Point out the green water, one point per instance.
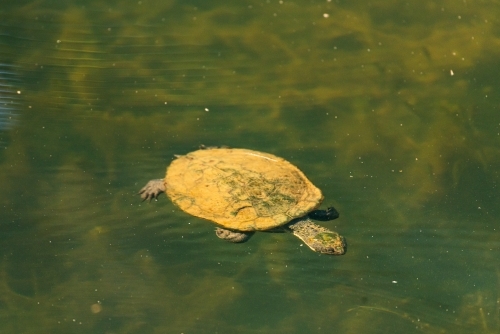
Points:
(390, 107)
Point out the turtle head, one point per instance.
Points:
(318, 238)
(330, 243)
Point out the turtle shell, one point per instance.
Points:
(240, 189)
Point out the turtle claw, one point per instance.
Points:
(152, 189)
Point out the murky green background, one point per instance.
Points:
(391, 107)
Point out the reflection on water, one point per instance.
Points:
(9, 96)
(390, 109)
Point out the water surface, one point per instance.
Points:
(390, 108)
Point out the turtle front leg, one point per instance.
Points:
(152, 189)
(329, 214)
(232, 236)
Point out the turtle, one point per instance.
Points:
(243, 191)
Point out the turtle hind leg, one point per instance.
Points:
(232, 236)
(152, 189)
